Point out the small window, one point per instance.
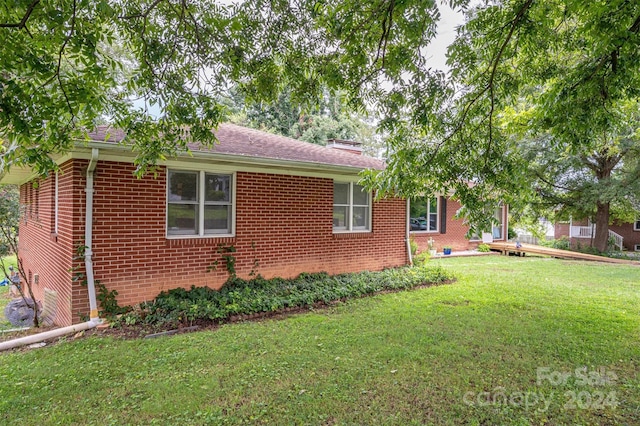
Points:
(424, 214)
(636, 225)
(199, 203)
(351, 207)
(637, 247)
(217, 204)
(183, 203)
(496, 228)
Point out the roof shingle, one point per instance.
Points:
(251, 143)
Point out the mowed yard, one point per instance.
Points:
(513, 341)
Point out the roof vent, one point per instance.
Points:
(351, 147)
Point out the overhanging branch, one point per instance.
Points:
(23, 22)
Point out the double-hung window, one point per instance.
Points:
(636, 225)
(199, 203)
(351, 207)
(424, 214)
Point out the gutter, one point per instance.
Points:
(125, 154)
(88, 236)
(407, 237)
(233, 158)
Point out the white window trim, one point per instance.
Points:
(201, 204)
(350, 229)
(437, 230)
(636, 247)
(636, 223)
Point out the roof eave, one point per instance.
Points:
(237, 158)
(22, 174)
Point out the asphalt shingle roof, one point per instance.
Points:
(251, 143)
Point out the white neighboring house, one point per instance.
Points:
(525, 236)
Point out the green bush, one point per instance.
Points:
(421, 258)
(414, 246)
(561, 243)
(259, 295)
(484, 248)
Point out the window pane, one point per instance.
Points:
(360, 196)
(433, 222)
(216, 219)
(340, 214)
(433, 205)
(418, 208)
(182, 219)
(361, 218)
(497, 224)
(183, 186)
(340, 193)
(217, 187)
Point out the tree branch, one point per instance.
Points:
(144, 14)
(489, 87)
(610, 56)
(23, 22)
(387, 23)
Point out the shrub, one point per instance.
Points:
(484, 248)
(414, 246)
(561, 243)
(421, 258)
(259, 295)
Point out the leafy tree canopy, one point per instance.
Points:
(328, 119)
(68, 63)
(570, 62)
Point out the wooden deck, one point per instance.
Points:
(509, 247)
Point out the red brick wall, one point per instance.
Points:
(456, 232)
(631, 237)
(42, 252)
(561, 229)
(282, 222)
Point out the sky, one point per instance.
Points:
(437, 49)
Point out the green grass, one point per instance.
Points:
(4, 294)
(412, 357)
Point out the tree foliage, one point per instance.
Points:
(570, 62)
(328, 119)
(598, 179)
(68, 63)
(9, 223)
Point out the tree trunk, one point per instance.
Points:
(602, 227)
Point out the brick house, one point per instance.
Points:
(581, 232)
(283, 206)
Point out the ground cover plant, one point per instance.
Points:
(507, 343)
(259, 295)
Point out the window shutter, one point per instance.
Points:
(443, 215)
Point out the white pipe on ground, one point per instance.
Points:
(51, 334)
(88, 236)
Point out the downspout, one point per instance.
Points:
(88, 237)
(94, 318)
(408, 241)
(46, 335)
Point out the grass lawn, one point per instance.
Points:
(4, 295)
(514, 341)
